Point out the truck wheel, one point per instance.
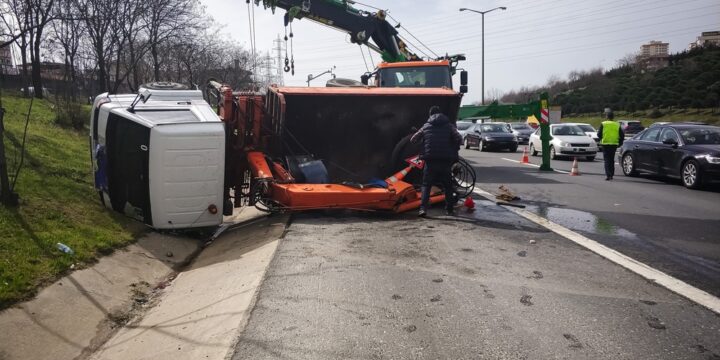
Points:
(164, 85)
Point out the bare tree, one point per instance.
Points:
(40, 16)
(165, 19)
(68, 32)
(99, 17)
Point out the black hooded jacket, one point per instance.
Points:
(440, 138)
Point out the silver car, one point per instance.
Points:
(567, 140)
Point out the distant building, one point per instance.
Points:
(6, 62)
(654, 55)
(706, 38)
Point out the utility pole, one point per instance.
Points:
(278, 47)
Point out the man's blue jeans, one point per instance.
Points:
(438, 172)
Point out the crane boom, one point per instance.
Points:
(362, 26)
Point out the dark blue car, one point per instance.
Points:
(685, 151)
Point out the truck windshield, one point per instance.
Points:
(416, 76)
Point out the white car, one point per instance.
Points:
(567, 140)
(589, 131)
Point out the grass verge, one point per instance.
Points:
(58, 204)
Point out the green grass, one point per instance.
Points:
(57, 204)
(678, 115)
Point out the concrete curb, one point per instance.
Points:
(73, 316)
(202, 312)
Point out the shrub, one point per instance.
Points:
(71, 114)
(655, 113)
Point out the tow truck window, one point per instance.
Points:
(421, 76)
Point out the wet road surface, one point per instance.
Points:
(656, 221)
(485, 285)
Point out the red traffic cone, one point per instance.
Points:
(575, 171)
(525, 159)
(469, 203)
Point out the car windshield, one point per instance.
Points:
(567, 130)
(586, 127)
(494, 128)
(463, 125)
(521, 127)
(701, 136)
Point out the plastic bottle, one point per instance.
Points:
(64, 248)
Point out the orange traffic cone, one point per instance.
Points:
(469, 203)
(525, 159)
(575, 171)
(399, 175)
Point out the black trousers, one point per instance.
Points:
(438, 172)
(609, 158)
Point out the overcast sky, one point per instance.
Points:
(524, 45)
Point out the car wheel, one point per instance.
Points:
(553, 155)
(481, 145)
(467, 143)
(691, 175)
(628, 165)
(513, 149)
(533, 152)
(590, 158)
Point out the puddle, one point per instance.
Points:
(580, 221)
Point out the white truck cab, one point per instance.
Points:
(160, 157)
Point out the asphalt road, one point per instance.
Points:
(483, 285)
(656, 221)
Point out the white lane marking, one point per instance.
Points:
(535, 165)
(675, 285)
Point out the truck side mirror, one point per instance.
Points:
(464, 78)
(365, 78)
(463, 89)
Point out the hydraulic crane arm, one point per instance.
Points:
(362, 26)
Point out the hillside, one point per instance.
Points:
(690, 81)
(57, 204)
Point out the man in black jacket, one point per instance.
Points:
(441, 143)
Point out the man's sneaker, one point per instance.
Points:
(422, 213)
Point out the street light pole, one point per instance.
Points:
(482, 21)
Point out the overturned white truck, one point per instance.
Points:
(159, 156)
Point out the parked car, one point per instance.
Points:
(631, 127)
(462, 127)
(688, 152)
(491, 136)
(567, 140)
(522, 131)
(589, 131)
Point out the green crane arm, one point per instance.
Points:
(362, 26)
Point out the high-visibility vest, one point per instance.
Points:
(610, 133)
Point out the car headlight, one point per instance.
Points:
(709, 158)
(515, 138)
(488, 138)
(564, 144)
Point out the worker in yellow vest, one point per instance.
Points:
(611, 136)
